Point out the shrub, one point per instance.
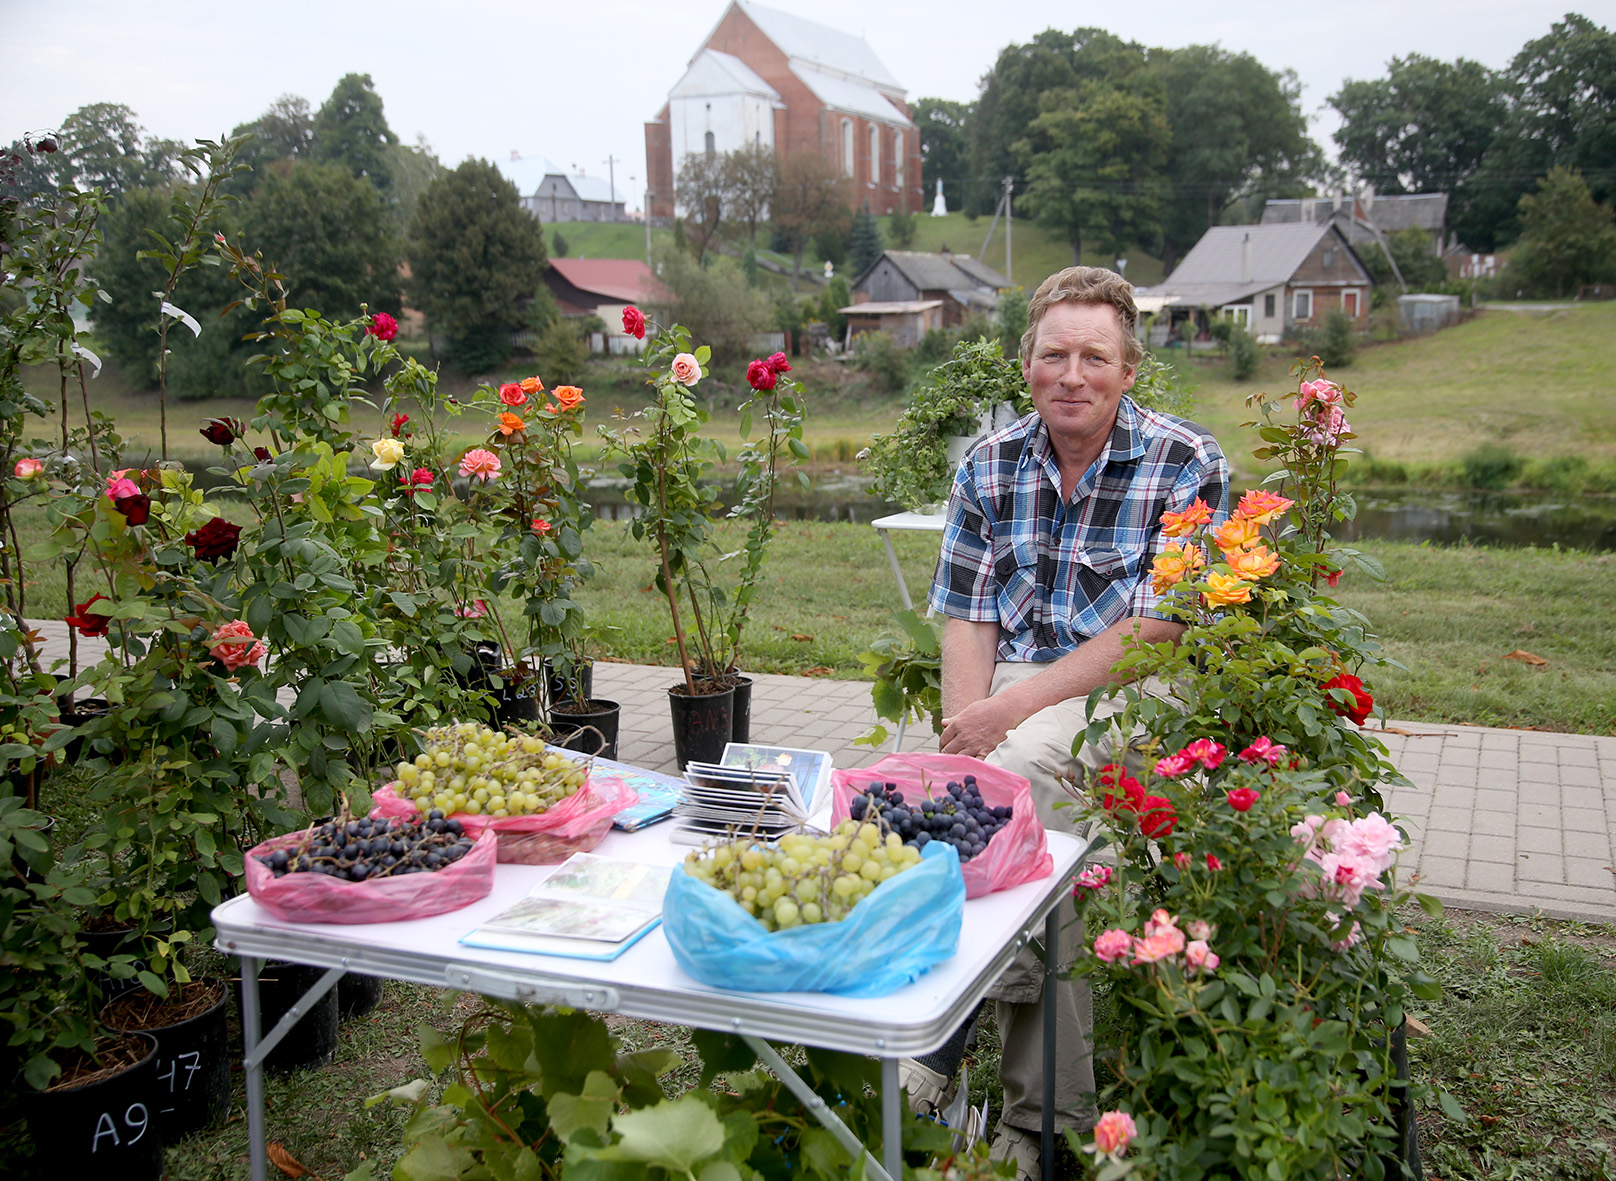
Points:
(560, 354)
(1558, 473)
(1491, 466)
(1158, 386)
(935, 345)
(901, 228)
(1247, 353)
(1338, 343)
(878, 355)
(1011, 318)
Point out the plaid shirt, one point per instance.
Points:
(1052, 575)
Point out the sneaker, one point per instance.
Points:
(929, 1091)
(1019, 1145)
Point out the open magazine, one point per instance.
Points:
(590, 907)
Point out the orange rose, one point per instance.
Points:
(1261, 507)
(568, 397)
(1237, 533)
(532, 385)
(1174, 565)
(1187, 522)
(1255, 563)
(1226, 590)
(509, 424)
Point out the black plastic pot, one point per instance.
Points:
(702, 725)
(587, 726)
(1406, 1163)
(76, 714)
(107, 1128)
(741, 727)
(556, 689)
(106, 944)
(313, 1040)
(513, 705)
(193, 1070)
(357, 995)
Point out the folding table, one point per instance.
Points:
(645, 982)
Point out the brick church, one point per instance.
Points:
(766, 77)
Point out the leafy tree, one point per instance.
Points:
(811, 201)
(750, 176)
(415, 166)
(104, 147)
(1010, 319)
(477, 257)
(351, 129)
(1567, 238)
(864, 244)
(285, 129)
(901, 228)
(1093, 160)
(560, 353)
(558, 245)
(1565, 101)
(715, 303)
(944, 148)
(331, 234)
(1237, 131)
(700, 191)
(1411, 250)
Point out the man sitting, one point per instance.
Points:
(1052, 527)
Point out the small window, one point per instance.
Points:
(1304, 305)
(712, 144)
(847, 147)
(1349, 303)
(1239, 313)
(897, 159)
(1268, 307)
(875, 156)
(1329, 257)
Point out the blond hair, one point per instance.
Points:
(1090, 285)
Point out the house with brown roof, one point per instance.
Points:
(1271, 278)
(773, 79)
(957, 282)
(604, 287)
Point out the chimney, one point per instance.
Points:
(1245, 258)
(515, 155)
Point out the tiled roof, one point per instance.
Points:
(625, 279)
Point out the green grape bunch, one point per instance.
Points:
(803, 879)
(470, 769)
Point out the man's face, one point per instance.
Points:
(1077, 375)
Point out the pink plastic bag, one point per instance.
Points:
(1017, 853)
(316, 898)
(576, 825)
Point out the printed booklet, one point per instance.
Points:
(719, 801)
(589, 907)
(811, 768)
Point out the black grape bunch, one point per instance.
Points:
(360, 850)
(957, 815)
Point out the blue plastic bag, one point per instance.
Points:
(893, 936)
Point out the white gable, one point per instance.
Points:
(714, 73)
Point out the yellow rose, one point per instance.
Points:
(1226, 590)
(1174, 565)
(1255, 563)
(388, 452)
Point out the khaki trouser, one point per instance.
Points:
(1041, 750)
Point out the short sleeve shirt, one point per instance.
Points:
(1054, 574)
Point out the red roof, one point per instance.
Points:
(626, 279)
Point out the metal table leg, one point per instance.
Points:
(897, 571)
(259, 1049)
(891, 1105)
(1051, 1056)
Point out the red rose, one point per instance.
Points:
(1113, 779)
(400, 421)
(136, 509)
(760, 376)
(90, 623)
(1157, 817)
(262, 455)
(223, 431)
(420, 480)
(1241, 798)
(1213, 863)
(214, 541)
(779, 363)
(634, 322)
(1362, 703)
(382, 326)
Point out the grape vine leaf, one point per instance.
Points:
(591, 1109)
(674, 1134)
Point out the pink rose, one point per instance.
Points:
(760, 376)
(1113, 1132)
(382, 326)
(1213, 863)
(233, 646)
(122, 487)
(475, 609)
(686, 371)
(512, 394)
(1182, 860)
(1198, 957)
(1112, 945)
(1175, 765)
(27, 469)
(1374, 838)
(1241, 798)
(634, 322)
(1199, 929)
(1326, 392)
(1351, 939)
(1347, 875)
(1206, 752)
(479, 464)
(1343, 800)
(1328, 429)
(1263, 750)
(1094, 877)
(1160, 946)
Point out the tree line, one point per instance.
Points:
(1123, 146)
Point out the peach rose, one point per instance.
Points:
(1261, 507)
(1237, 533)
(686, 370)
(1226, 589)
(1174, 565)
(1252, 564)
(570, 397)
(1183, 524)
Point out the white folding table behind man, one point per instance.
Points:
(1051, 530)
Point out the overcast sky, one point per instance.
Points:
(576, 82)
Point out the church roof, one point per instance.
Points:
(831, 50)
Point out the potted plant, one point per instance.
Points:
(668, 467)
(976, 390)
(907, 667)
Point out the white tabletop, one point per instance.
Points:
(646, 983)
(913, 522)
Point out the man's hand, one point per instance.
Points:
(979, 727)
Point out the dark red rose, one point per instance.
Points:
(760, 376)
(90, 623)
(223, 431)
(1362, 703)
(136, 509)
(214, 541)
(262, 455)
(779, 363)
(382, 326)
(1157, 817)
(634, 322)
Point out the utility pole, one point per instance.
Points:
(1009, 187)
(648, 261)
(611, 180)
